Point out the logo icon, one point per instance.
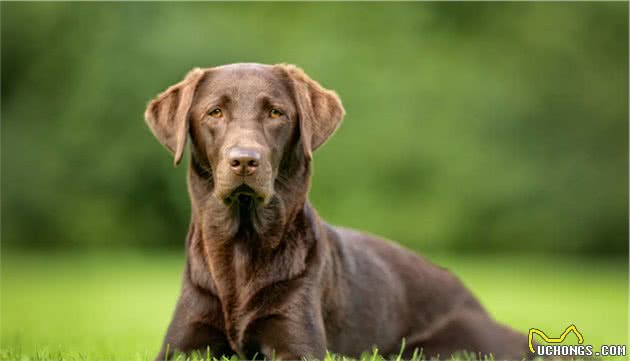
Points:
(548, 339)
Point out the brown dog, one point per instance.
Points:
(264, 274)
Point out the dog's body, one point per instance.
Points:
(264, 274)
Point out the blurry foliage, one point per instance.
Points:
(470, 126)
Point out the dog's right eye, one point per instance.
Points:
(216, 113)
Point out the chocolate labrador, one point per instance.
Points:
(264, 274)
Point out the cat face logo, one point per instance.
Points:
(548, 339)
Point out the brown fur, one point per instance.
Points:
(269, 277)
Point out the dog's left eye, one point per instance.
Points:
(275, 113)
(216, 113)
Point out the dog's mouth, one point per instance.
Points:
(243, 195)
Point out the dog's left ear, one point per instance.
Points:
(320, 110)
(167, 114)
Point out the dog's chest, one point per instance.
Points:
(243, 281)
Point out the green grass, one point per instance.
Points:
(116, 305)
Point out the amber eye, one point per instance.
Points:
(275, 113)
(216, 113)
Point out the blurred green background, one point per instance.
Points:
(492, 137)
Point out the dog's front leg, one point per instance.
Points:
(291, 337)
(191, 328)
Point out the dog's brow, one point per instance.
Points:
(263, 97)
(267, 99)
(223, 99)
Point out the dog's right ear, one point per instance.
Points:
(167, 114)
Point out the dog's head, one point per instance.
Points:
(245, 121)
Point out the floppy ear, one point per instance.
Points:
(320, 110)
(167, 114)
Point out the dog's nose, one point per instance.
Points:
(243, 161)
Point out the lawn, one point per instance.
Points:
(116, 305)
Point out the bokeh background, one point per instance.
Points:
(491, 137)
